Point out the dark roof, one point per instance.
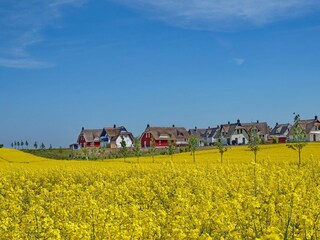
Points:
(280, 129)
(167, 133)
(212, 132)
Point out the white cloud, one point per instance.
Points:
(238, 61)
(23, 63)
(21, 25)
(223, 14)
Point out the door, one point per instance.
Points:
(243, 141)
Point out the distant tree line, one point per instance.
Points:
(25, 145)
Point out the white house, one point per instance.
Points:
(112, 137)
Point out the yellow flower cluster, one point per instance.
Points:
(179, 199)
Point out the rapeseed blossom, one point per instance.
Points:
(179, 199)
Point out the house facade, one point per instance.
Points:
(233, 134)
(212, 135)
(89, 138)
(311, 127)
(163, 136)
(280, 132)
(112, 137)
(106, 137)
(199, 133)
(261, 128)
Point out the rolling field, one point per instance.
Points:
(178, 199)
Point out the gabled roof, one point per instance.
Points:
(91, 135)
(211, 132)
(229, 129)
(261, 126)
(308, 124)
(167, 133)
(280, 129)
(198, 132)
(115, 132)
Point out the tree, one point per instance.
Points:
(15, 144)
(27, 144)
(171, 149)
(35, 145)
(152, 149)
(137, 148)
(42, 146)
(123, 149)
(18, 144)
(193, 145)
(254, 142)
(21, 143)
(298, 141)
(50, 147)
(12, 145)
(221, 147)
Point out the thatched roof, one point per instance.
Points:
(167, 133)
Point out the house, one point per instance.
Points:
(280, 132)
(112, 137)
(233, 134)
(261, 128)
(162, 136)
(311, 127)
(89, 138)
(212, 135)
(199, 133)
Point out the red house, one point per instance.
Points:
(89, 138)
(163, 135)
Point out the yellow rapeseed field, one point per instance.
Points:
(178, 199)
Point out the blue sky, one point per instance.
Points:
(65, 64)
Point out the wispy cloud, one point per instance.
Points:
(223, 14)
(238, 61)
(22, 23)
(24, 63)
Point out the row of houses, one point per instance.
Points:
(236, 133)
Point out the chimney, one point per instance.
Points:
(257, 121)
(148, 125)
(173, 125)
(114, 126)
(82, 128)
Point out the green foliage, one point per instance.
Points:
(137, 148)
(123, 149)
(1, 145)
(254, 142)
(35, 145)
(42, 146)
(193, 145)
(152, 149)
(298, 141)
(171, 149)
(221, 147)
